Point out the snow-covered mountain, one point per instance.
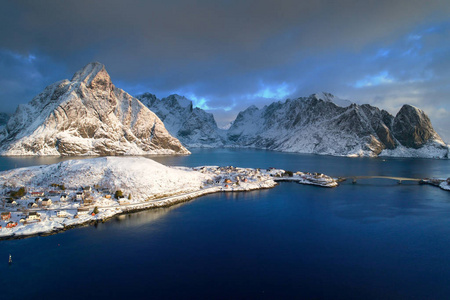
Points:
(194, 127)
(4, 117)
(87, 115)
(323, 124)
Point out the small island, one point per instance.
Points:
(47, 199)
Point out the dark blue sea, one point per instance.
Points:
(375, 239)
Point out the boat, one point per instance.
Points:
(10, 259)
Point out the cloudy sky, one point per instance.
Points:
(227, 55)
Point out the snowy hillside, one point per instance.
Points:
(141, 177)
(323, 124)
(192, 126)
(87, 115)
(48, 199)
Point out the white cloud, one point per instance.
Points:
(374, 80)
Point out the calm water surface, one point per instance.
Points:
(372, 240)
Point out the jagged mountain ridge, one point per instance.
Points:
(87, 115)
(315, 124)
(194, 127)
(320, 124)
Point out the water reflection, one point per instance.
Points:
(137, 219)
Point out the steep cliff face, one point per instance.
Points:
(413, 128)
(192, 126)
(317, 124)
(87, 115)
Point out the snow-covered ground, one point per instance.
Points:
(307, 178)
(75, 192)
(429, 150)
(445, 186)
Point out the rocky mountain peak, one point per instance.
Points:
(251, 109)
(323, 96)
(177, 100)
(148, 99)
(86, 116)
(193, 126)
(328, 97)
(93, 75)
(413, 128)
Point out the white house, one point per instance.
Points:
(123, 201)
(32, 205)
(79, 196)
(33, 216)
(61, 214)
(82, 211)
(11, 203)
(46, 202)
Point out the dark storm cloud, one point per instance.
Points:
(141, 38)
(23, 76)
(230, 54)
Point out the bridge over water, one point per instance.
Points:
(398, 179)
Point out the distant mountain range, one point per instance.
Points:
(323, 124)
(194, 127)
(88, 115)
(320, 124)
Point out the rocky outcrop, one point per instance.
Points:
(412, 127)
(192, 126)
(87, 115)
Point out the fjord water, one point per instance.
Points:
(374, 240)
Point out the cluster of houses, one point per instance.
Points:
(44, 199)
(25, 208)
(230, 176)
(6, 216)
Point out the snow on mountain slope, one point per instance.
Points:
(87, 115)
(192, 126)
(315, 124)
(139, 176)
(332, 98)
